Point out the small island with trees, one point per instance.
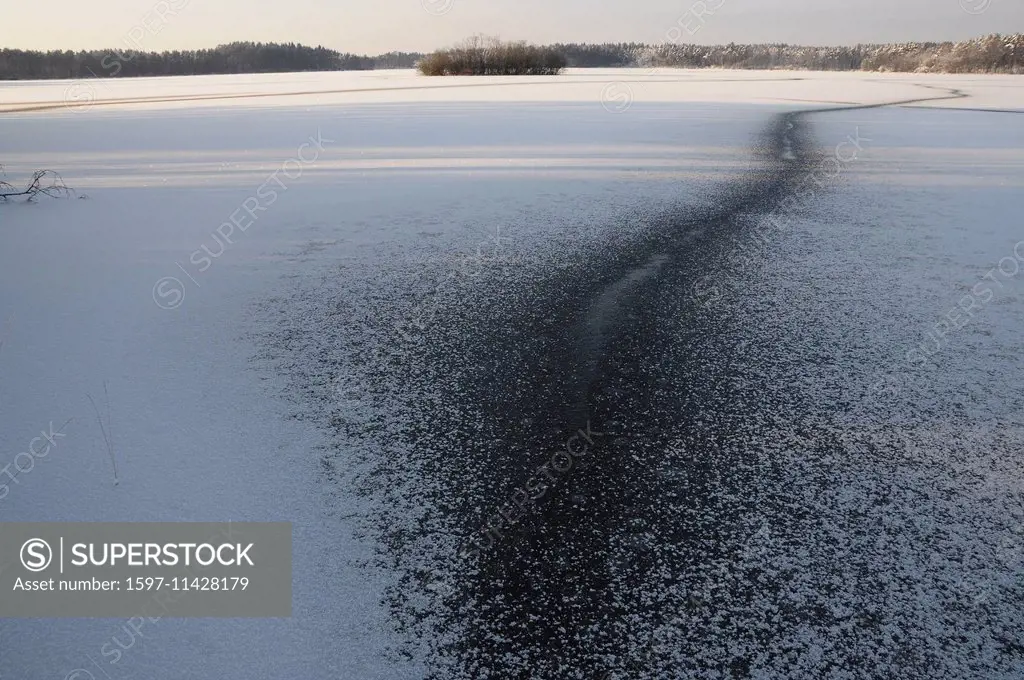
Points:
(486, 56)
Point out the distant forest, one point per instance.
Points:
(239, 57)
(990, 54)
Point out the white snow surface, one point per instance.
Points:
(418, 171)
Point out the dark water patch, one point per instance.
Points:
(575, 565)
(597, 348)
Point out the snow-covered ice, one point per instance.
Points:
(881, 531)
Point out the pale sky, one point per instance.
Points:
(374, 26)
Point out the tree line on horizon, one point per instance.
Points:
(989, 54)
(237, 57)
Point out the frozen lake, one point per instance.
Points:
(377, 306)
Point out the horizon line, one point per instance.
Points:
(545, 44)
